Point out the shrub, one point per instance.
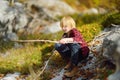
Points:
(109, 19)
(90, 30)
(87, 19)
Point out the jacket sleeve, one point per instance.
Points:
(77, 37)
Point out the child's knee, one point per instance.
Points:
(57, 45)
(75, 45)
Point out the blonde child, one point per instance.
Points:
(71, 46)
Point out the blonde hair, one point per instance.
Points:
(69, 21)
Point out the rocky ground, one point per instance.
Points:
(89, 69)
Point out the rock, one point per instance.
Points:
(11, 36)
(102, 10)
(8, 78)
(96, 44)
(111, 48)
(111, 43)
(91, 11)
(115, 76)
(107, 45)
(14, 76)
(12, 18)
(52, 7)
(52, 28)
(29, 19)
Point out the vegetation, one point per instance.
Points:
(112, 18)
(89, 31)
(85, 4)
(21, 59)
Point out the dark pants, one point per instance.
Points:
(70, 51)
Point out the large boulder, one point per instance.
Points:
(107, 45)
(12, 18)
(111, 48)
(96, 44)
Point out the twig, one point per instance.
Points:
(32, 73)
(39, 74)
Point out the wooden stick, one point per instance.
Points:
(50, 41)
(35, 41)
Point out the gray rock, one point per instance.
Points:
(52, 7)
(111, 48)
(12, 19)
(11, 76)
(52, 28)
(91, 11)
(107, 45)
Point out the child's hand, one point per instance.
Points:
(66, 40)
(63, 41)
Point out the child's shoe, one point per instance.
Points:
(72, 72)
(68, 66)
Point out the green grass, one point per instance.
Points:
(21, 59)
(5, 45)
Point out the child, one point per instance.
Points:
(71, 47)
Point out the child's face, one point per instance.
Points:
(66, 29)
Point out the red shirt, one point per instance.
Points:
(77, 37)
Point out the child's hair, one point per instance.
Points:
(68, 21)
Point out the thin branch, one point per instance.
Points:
(40, 73)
